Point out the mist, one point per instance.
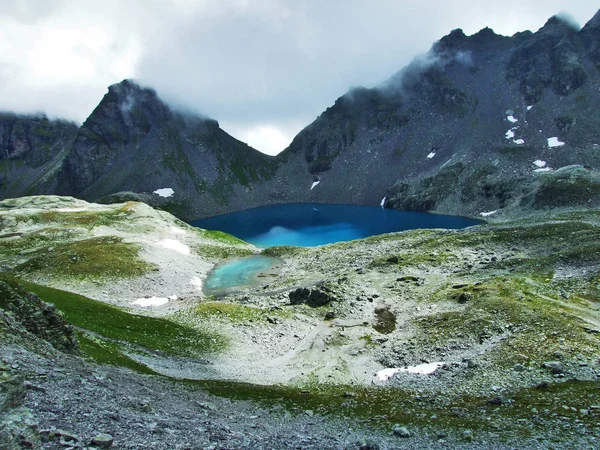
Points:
(264, 69)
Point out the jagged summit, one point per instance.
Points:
(457, 40)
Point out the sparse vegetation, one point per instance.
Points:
(102, 257)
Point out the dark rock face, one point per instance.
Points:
(435, 137)
(37, 317)
(33, 138)
(134, 142)
(31, 149)
(550, 59)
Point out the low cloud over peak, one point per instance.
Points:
(264, 68)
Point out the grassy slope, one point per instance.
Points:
(121, 329)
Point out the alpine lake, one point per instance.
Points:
(305, 225)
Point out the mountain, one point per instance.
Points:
(135, 142)
(468, 128)
(480, 123)
(31, 152)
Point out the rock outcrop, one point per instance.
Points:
(35, 316)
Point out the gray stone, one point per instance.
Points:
(468, 436)
(401, 431)
(19, 430)
(103, 440)
(555, 367)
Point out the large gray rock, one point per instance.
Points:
(18, 427)
(319, 295)
(103, 440)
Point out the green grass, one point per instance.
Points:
(100, 257)
(87, 219)
(222, 237)
(537, 326)
(235, 313)
(383, 407)
(220, 252)
(414, 259)
(104, 352)
(34, 240)
(282, 250)
(113, 323)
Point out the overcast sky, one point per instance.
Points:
(263, 68)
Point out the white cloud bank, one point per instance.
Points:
(264, 69)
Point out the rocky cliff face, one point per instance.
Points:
(481, 123)
(31, 151)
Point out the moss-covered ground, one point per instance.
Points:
(100, 257)
(119, 329)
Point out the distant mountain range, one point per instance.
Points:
(482, 123)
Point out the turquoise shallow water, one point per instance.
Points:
(239, 274)
(311, 224)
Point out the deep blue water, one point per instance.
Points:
(310, 224)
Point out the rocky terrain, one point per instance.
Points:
(474, 126)
(487, 336)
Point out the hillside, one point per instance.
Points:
(31, 152)
(488, 335)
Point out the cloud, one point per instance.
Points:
(263, 68)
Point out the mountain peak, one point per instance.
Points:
(457, 40)
(561, 24)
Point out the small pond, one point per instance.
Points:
(241, 274)
(311, 224)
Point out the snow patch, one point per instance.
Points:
(529, 107)
(197, 283)
(510, 134)
(151, 301)
(431, 155)
(177, 230)
(164, 192)
(174, 244)
(544, 169)
(421, 369)
(386, 374)
(519, 141)
(314, 184)
(489, 213)
(382, 203)
(512, 119)
(539, 163)
(555, 142)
